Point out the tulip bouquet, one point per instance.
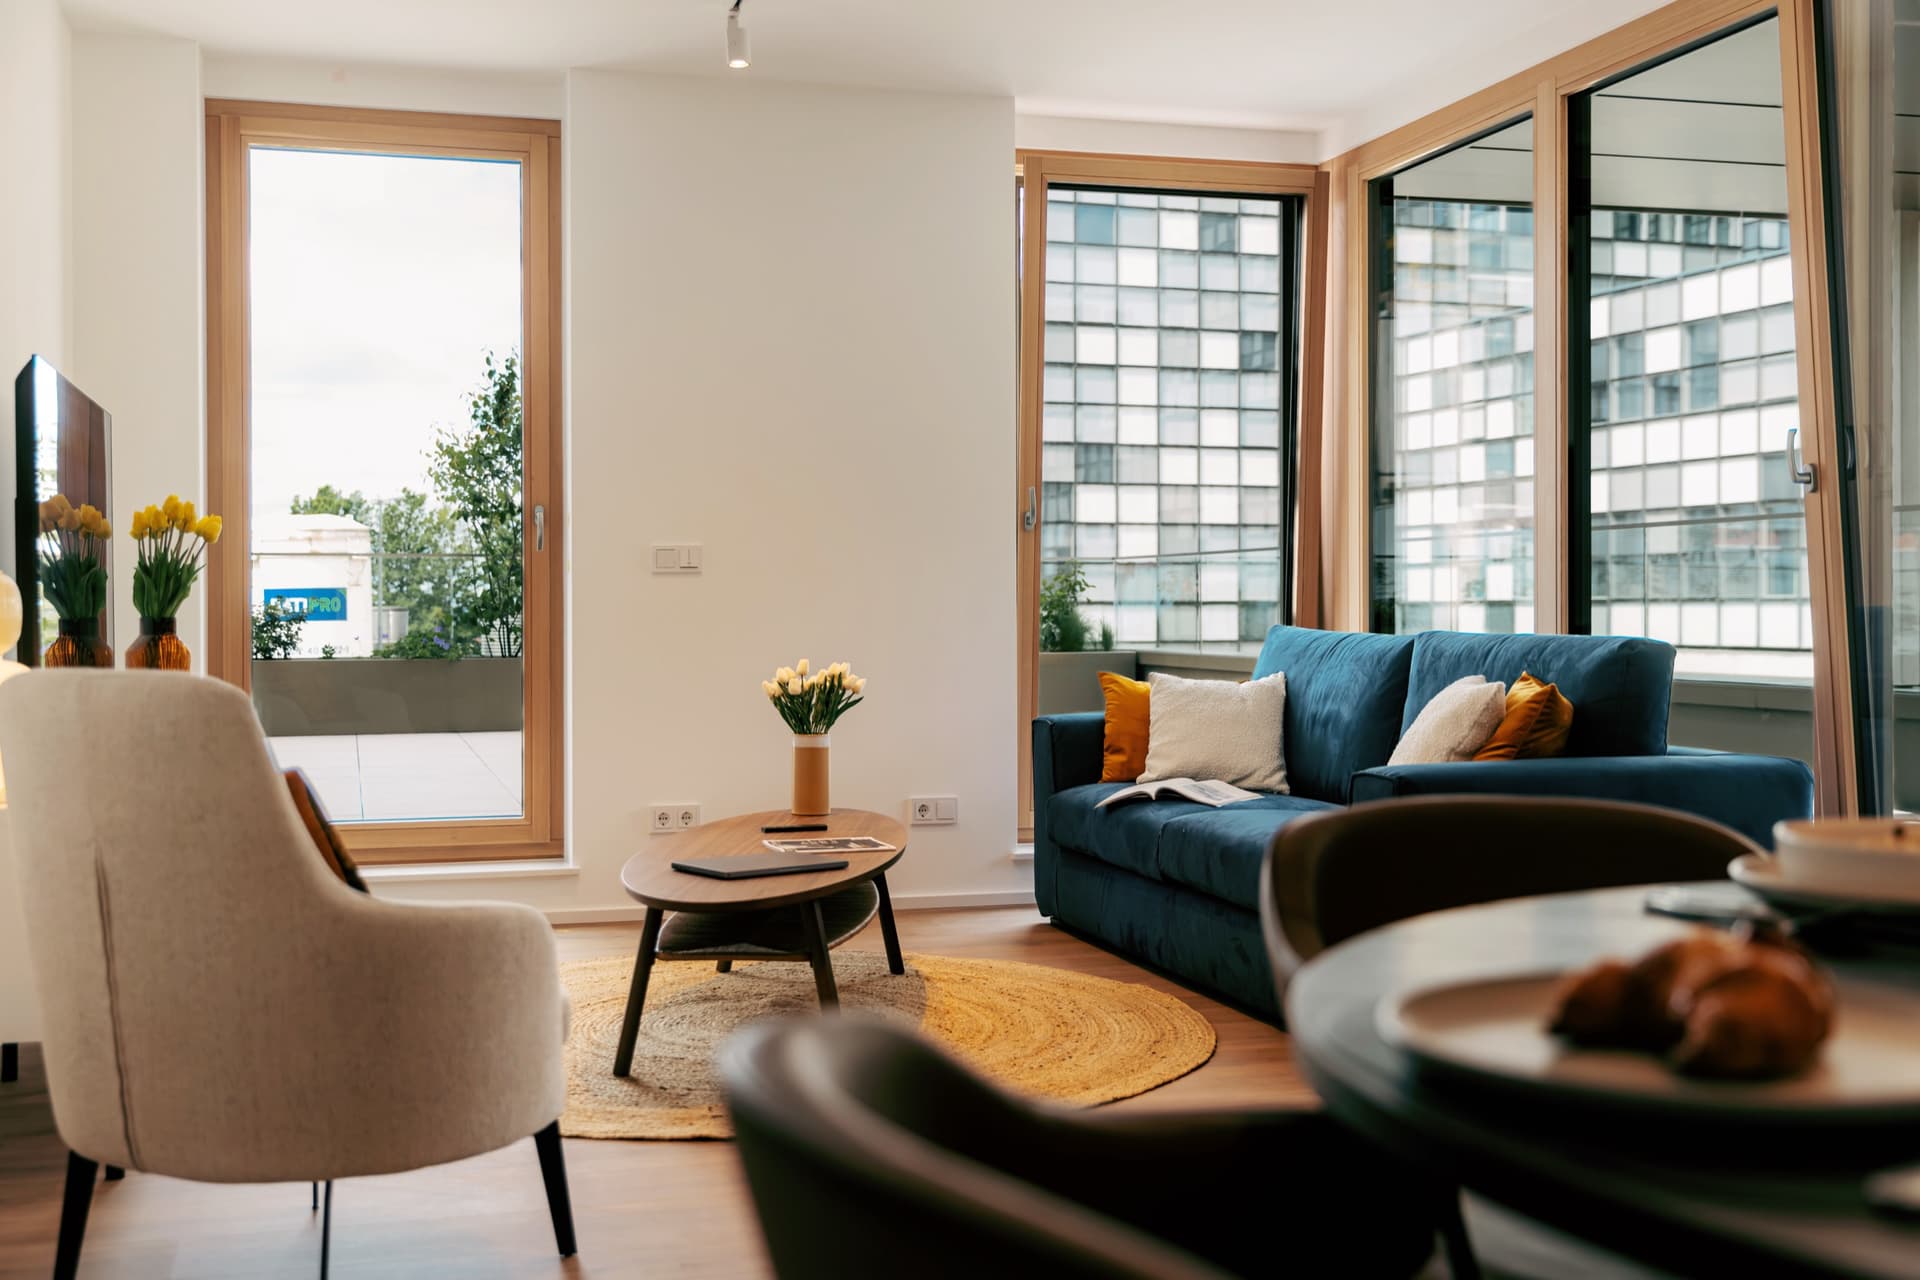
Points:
(811, 703)
(70, 570)
(173, 540)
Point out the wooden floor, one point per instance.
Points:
(655, 1209)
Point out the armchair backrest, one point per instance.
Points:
(1620, 686)
(174, 904)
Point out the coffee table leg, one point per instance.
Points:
(889, 934)
(637, 993)
(723, 966)
(814, 926)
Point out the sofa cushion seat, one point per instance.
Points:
(1219, 851)
(1126, 836)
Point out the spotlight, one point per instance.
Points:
(737, 56)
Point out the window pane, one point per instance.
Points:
(1686, 544)
(1452, 519)
(385, 455)
(1166, 396)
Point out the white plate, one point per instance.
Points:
(1762, 875)
(1495, 1029)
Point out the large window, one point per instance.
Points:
(385, 433)
(1696, 532)
(1169, 352)
(1453, 467)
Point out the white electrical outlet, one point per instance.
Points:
(663, 819)
(925, 811)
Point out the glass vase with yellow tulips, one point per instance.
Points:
(74, 580)
(810, 702)
(173, 539)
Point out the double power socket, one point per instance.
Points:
(664, 819)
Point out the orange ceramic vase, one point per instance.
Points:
(810, 776)
(158, 648)
(78, 645)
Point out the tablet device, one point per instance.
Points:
(750, 865)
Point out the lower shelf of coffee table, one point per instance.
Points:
(770, 934)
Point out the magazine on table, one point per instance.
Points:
(831, 844)
(1211, 792)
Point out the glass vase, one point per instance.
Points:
(159, 647)
(810, 798)
(78, 645)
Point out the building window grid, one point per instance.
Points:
(1454, 511)
(1698, 537)
(1161, 425)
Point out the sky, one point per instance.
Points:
(378, 283)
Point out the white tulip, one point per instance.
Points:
(769, 688)
(801, 668)
(784, 674)
(857, 685)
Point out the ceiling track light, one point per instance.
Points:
(737, 55)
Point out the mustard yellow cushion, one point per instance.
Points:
(326, 841)
(1123, 750)
(1537, 722)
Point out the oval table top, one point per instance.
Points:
(1704, 1200)
(649, 877)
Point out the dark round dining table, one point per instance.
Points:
(1730, 1194)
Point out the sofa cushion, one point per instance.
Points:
(1345, 693)
(1219, 851)
(1127, 835)
(1619, 685)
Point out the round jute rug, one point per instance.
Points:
(1043, 1032)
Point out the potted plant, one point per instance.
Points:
(1072, 654)
(75, 581)
(810, 703)
(173, 539)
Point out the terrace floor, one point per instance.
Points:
(400, 777)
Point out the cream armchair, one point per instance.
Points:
(216, 1004)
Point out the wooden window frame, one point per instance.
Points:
(1543, 91)
(231, 128)
(1039, 169)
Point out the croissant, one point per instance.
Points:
(1744, 1006)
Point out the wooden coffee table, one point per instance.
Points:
(791, 917)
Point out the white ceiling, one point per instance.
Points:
(1355, 67)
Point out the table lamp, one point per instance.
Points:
(11, 614)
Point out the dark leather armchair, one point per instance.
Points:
(869, 1151)
(1330, 876)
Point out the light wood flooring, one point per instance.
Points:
(662, 1210)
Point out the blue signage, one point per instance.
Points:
(315, 604)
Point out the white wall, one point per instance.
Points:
(391, 88)
(792, 325)
(1141, 138)
(139, 279)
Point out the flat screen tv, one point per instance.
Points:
(61, 442)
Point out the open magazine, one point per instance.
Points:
(1213, 792)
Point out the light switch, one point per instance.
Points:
(676, 557)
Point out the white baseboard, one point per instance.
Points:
(633, 914)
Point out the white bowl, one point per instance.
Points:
(1849, 853)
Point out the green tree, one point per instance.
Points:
(417, 547)
(476, 470)
(329, 501)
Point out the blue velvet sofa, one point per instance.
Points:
(1176, 884)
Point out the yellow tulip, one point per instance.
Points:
(171, 505)
(783, 675)
(139, 526)
(59, 504)
(208, 528)
(800, 668)
(857, 685)
(106, 529)
(69, 520)
(769, 688)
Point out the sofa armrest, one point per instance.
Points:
(1066, 753)
(1747, 793)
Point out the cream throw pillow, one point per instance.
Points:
(1455, 725)
(1208, 729)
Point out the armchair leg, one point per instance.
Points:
(553, 1168)
(326, 1229)
(115, 1173)
(73, 1215)
(1461, 1263)
(9, 1062)
(316, 1196)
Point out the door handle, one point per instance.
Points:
(1033, 516)
(1801, 474)
(539, 527)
